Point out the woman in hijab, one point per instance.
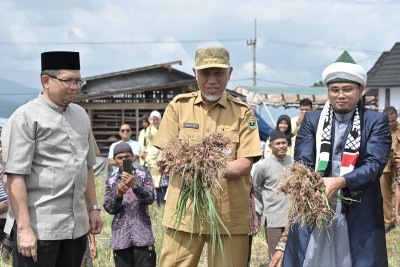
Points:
(283, 125)
(160, 181)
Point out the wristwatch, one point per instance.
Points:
(94, 207)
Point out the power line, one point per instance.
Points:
(298, 44)
(7, 94)
(121, 42)
(271, 41)
(238, 80)
(269, 81)
(283, 83)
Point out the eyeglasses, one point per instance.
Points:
(69, 82)
(345, 90)
(125, 130)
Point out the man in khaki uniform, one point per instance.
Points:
(387, 178)
(195, 115)
(395, 165)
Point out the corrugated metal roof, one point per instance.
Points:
(155, 77)
(117, 73)
(288, 90)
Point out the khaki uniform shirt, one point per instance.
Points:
(53, 149)
(395, 162)
(387, 168)
(187, 116)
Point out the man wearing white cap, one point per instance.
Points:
(349, 145)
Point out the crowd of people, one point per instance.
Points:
(48, 184)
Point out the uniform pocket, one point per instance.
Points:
(231, 149)
(190, 134)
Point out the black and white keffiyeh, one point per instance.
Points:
(323, 140)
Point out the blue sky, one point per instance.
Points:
(296, 39)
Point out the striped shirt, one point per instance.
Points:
(3, 195)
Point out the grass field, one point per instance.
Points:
(259, 248)
(259, 255)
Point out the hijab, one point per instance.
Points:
(288, 132)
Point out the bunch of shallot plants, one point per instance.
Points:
(199, 167)
(309, 203)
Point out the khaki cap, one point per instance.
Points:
(211, 57)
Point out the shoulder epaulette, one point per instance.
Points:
(238, 101)
(184, 96)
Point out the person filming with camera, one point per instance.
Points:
(128, 194)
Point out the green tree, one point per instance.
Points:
(318, 84)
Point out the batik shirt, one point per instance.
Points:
(131, 225)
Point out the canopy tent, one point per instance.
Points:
(267, 116)
(271, 102)
(291, 96)
(286, 96)
(263, 128)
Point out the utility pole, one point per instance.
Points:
(253, 42)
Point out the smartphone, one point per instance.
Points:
(127, 165)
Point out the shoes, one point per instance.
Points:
(390, 228)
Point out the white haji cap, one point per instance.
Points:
(345, 69)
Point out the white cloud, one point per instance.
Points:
(295, 39)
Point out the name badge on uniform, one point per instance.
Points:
(190, 125)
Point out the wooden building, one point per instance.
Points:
(123, 97)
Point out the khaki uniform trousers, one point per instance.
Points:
(273, 235)
(185, 250)
(387, 195)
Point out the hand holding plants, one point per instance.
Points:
(333, 185)
(311, 196)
